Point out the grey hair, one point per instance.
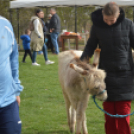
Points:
(49, 15)
(52, 9)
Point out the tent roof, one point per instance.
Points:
(48, 3)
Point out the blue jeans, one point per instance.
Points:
(40, 52)
(44, 53)
(54, 37)
(9, 119)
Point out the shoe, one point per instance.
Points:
(35, 64)
(54, 53)
(23, 62)
(49, 62)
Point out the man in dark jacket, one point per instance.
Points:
(115, 35)
(55, 29)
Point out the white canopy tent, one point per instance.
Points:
(48, 3)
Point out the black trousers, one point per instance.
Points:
(25, 55)
(49, 43)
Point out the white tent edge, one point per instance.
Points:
(50, 3)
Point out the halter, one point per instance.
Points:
(98, 93)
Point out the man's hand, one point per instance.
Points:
(51, 30)
(18, 100)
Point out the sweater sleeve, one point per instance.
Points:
(90, 46)
(15, 65)
(22, 37)
(25, 37)
(36, 24)
(132, 35)
(28, 38)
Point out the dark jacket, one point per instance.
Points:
(26, 41)
(55, 23)
(48, 24)
(45, 29)
(115, 42)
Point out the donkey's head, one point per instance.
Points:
(93, 79)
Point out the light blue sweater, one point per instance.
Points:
(9, 76)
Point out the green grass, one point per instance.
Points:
(42, 108)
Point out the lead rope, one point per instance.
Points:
(111, 115)
(115, 116)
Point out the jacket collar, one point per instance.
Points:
(54, 14)
(97, 18)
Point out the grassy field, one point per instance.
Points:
(42, 108)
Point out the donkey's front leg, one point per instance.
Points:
(72, 120)
(80, 114)
(79, 117)
(84, 125)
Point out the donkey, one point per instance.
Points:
(79, 80)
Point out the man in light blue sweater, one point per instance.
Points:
(10, 87)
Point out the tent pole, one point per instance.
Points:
(75, 19)
(46, 12)
(18, 24)
(10, 15)
(133, 14)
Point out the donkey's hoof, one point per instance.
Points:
(72, 131)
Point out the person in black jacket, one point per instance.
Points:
(55, 28)
(115, 36)
(49, 42)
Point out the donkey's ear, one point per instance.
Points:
(79, 69)
(96, 58)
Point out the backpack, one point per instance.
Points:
(31, 26)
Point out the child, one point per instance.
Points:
(115, 35)
(26, 44)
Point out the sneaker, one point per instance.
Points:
(35, 64)
(49, 62)
(54, 54)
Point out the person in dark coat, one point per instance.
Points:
(49, 42)
(55, 28)
(115, 36)
(45, 30)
